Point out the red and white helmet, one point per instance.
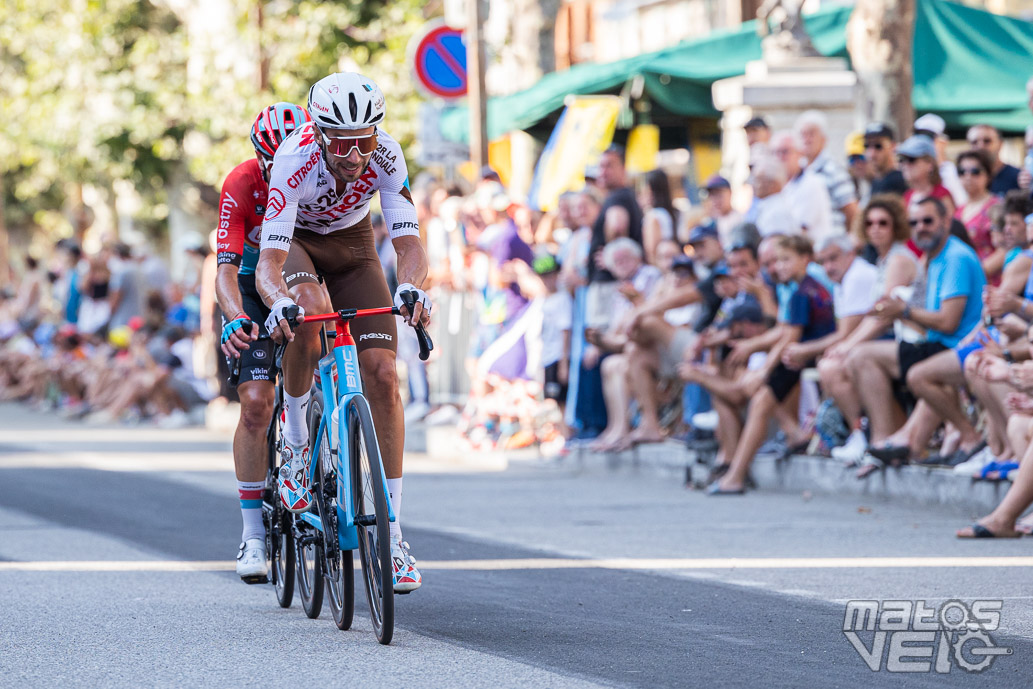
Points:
(346, 100)
(274, 124)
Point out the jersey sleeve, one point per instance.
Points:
(396, 202)
(232, 221)
(281, 206)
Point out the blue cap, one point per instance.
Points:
(702, 231)
(917, 146)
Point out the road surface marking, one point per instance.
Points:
(664, 564)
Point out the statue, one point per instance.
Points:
(790, 40)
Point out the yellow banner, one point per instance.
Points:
(643, 147)
(583, 132)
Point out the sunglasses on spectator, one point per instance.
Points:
(973, 171)
(342, 146)
(877, 145)
(986, 140)
(881, 222)
(906, 159)
(927, 221)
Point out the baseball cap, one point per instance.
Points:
(855, 144)
(878, 130)
(746, 311)
(756, 123)
(717, 182)
(488, 172)
(930, 125)
(545, 264)
(592, 171)
(917, 146)
(701, 232)
(683, 262)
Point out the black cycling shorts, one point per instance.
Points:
(256, 363)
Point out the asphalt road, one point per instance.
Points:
(115, 570)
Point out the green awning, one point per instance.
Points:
(969, 66)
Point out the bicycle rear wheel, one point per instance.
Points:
(338, 565)
(279, 525)
(371, 518)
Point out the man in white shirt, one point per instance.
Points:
(805, 192)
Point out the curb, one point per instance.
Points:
(819, 475)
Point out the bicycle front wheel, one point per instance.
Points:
(338, 567)
(371, 518)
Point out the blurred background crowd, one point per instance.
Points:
(875, 311)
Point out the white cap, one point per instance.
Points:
(931, 123)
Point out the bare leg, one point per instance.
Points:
(729, 427)
(256, 410)
(381, 381)
(615, 395)
(874, 365)
(936, 381)
(837, 383)
(642, 368)
(754, 432)
(1018, 498)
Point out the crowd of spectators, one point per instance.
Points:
(106, 335)
(873, 311)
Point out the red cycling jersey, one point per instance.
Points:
(241, 209)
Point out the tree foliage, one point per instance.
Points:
(157, 91)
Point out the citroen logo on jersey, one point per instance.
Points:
(274, 204)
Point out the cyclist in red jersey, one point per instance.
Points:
(241, 210)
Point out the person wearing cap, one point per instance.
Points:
(917, 156)
(857, 166)
(935, 128)
(812, 131)
(880, 150)
(988, 138)
(757, 131)
(718, 206)
(806, 194)
(557, 320)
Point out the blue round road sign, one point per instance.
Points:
(440, 62)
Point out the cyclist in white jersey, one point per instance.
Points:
(317, 224)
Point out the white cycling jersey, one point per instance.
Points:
(303, 193)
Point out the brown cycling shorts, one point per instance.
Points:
(348, 262)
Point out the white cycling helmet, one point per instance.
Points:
(346, 100)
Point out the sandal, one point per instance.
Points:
(871, 465)
(997, 471)
(980, 531)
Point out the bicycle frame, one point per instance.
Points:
(338, 390)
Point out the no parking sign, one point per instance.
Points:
(439, 61)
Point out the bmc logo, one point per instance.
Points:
(374, 336)
(280, 238)
(405, 226)
(275, 204)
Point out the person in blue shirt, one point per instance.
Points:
(951, 310)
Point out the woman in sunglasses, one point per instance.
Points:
(917, 158)
(975, 168)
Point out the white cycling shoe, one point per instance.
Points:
(252, 564)
(407, 577)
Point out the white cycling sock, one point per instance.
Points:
(295, 430)
(251, 508)
(394, 492)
